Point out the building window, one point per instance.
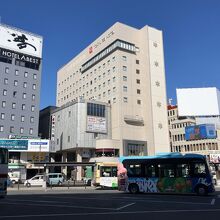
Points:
(34, 86)
(24, 95)
(22, 118)
(137, 71)
(5, 81)
(109, 92)
(33, 97)
(32, 108)
(34, 76)
(69, 114)
(138, 91)
(124, 58)
(14, 94)
(68, 139)
(124, 68)
(31, 131)
(11, 129)
(13, 105)
(156, 63)
(4, 92)
(114, 89)
(138, 102)
(113, 69)
(3, 104)
(12, 117)
(124, 78)
(25, 84)
(138, 81)
(114, 100)
(21, 130)
(137, 62)
(114, 79)
(6, 70)
(23, 106)
(113, 59)
(96, 109)
(2, 116)
(32, 119)
(125, 99)
(15, 83)
(125, 88)
(16, 72)
(25, 74)
(1, 128)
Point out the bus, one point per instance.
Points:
(3, 172)
(165, 173)
(105, 174)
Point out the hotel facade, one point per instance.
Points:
(123, 68)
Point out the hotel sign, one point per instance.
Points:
(100, 41)
(19, 56)
(20, 41)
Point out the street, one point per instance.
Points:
(109, 204)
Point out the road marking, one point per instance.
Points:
(213, 202)
(110, 213)
(125, 206)
(59, 206)
(41, 201)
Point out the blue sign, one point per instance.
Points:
(14, 144)
(198, 132)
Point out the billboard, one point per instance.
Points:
(30, 145)
(198, 102)
(214, 158)
(96, 124)
(20, 41)
(198, 132)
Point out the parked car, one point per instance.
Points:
(37, 180)
(14, 177)
(55, 179)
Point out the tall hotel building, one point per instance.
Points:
(124, 67)
(20, 79)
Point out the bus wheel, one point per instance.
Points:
(133, 188)
(201, 190)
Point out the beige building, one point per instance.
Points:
(178, 142)
(124, 67)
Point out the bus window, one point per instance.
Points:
(166, 170)
(134, 170)
(199, 169)
(114, 171)
(149, 170)
(106, 171)
(183, 170)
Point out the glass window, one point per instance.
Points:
(34, 86)
(138, 81)
(31, 131)
(21, 130)
(24, 95)
(32, 119)
(124, 68)
(6, 70)
(16, 72)
(4, 92)
(149, 170)
(138, 102)
(5, 81)
(32, 108)
(25, 84)
(138, 91)
(1, 128)
(13, 105)
(134, 170)
(125, 88)
(138, 71)
(124, 78)
(23, 106)
(183, 170)
(166, 170)
(124, 58)
(11, 129)
(33, 97)
(15, 83)
(2, 115)
(125, 99)
(199, 169)
(25, 74)
(3, 104)
(137, 62)
(12, 117)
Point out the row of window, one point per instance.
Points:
(195, 147)
(12, 129)
(17, 73)
(14, 94)
(13, 105)
(181, 125)
(117, 44)
(2, 117)
(178, 137)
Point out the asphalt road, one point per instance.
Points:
(99, 205)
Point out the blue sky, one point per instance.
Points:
(191, 30)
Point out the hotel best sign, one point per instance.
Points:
(96, 124)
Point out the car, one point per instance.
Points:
(37, 180)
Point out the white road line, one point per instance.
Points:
(110, 213)
(41, 201)
(125, 206)
(62, 206)
(213, 202)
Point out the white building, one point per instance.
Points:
(124, 67)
